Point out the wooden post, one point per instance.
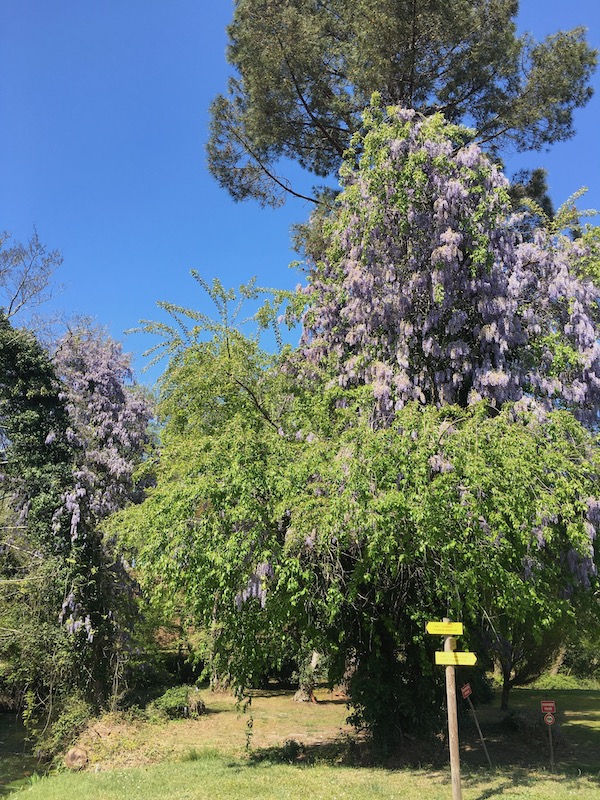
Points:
(551, 748)
(450, 645)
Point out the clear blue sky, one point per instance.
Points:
(103, 122)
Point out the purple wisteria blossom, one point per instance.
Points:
(108, 424)
(256, 586)
(108, 421)
(428, 291)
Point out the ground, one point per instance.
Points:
(275, 728)
(281, 750)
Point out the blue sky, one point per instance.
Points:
(104, 118)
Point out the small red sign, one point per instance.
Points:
(548, 707)
(466, 690)
(549, 719)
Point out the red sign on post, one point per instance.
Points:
(466, 690)
(548, 707)
(549, 719)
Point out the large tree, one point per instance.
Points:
(419, 455)
(283, 519)
(305, 69)
(339, 498)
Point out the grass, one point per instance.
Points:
(15, 758)
(216, 778)
(268, 723)
(307, 750)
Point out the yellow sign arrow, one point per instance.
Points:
(445, 628)
(455, 659)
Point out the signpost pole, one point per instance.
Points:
(472, 707)
(449, 645)
(549, 710)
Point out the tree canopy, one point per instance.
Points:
(305, 69)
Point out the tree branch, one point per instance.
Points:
(254, 399)
(268, 173)
(319, 125)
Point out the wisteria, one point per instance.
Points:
(107, 433)
(428, 291)
(256, 586)
(108, 424)
(71, 615)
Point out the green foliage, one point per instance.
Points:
(188, 327)
(33, 422)
(176, 703)
(563, 682)
(588, 265)
(37, 460)
(54, 734)
(304, 70)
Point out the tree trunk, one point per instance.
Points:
(306, 687)
(558, 661)
(506, 684)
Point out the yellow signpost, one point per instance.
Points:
(455, 659)
(450, 659)
(445, 628)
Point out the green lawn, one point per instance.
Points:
(206, 759)
(215, 778)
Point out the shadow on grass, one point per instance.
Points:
(354, 751)
(342, 752)
(514, 752)
(17, 763)
(517, 777)
(495, 791)
(524, 778)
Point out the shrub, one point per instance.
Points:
(71, 719)
(177, 702)
(561, 682)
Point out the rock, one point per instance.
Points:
(76, 758)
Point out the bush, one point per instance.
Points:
(178, 702)
(71, 719)
(561, 681)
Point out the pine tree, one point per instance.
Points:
(305, 69)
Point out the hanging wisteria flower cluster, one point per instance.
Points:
(428, 291)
